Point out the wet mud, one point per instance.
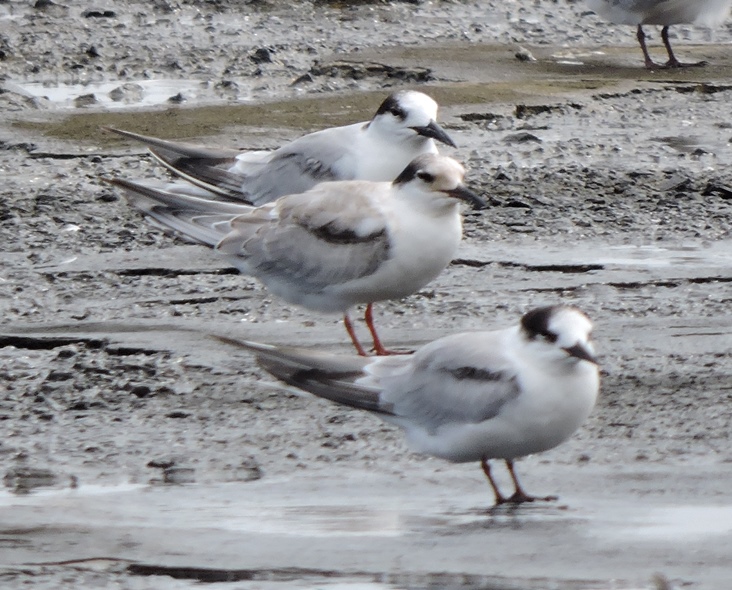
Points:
(139, 451)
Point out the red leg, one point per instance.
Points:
(519, 495)
(352, 333)
(369, 317)
(378, 346)
(500, 498)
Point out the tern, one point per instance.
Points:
(337, 245)
(474, 396)
(403, 128)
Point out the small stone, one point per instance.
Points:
(227, 85)
(714, 188)
(23, 479)
(56, 375)
(5, 49)
(129, 92)
(67, 352)
(675, 183)
(502, 177)
(50, 8)
(304, 79)
(107, 197)
(522, 111)
(179, 475)
(249, 470)
(140, 391)
(261, 55)
(99, 13)
(521, 137)
(523, 54)
(85, 100)
(161, 463)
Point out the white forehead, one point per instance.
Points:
(448, 173)
(416, 102)
(570, 321)
(446, 167)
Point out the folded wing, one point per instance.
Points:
(257, 177)
(193, 218)
(325, 237)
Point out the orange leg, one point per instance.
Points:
(369, 317)
(500, 498)
(352, 333)
(519, 495)
(378, 346)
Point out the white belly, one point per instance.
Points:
(426, 246)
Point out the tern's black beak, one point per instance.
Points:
(468, 196)
(581, 352)
(434, 131)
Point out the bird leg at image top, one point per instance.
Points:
(352, 333)
(519, 495)
(672, 61)
(650, 64)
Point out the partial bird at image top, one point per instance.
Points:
(404, 127)
(664, 13)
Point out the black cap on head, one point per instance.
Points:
(392, 105)
(536, 322)
(410, 172)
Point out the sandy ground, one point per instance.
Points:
(157, 456)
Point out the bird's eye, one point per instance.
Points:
(398, 113)
(426, 176)
(549, 336)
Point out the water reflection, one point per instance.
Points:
(120, 94)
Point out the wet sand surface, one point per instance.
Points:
(140, 452)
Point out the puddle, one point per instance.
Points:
(310, 520)
(121, 94)
(716, 254)
(265, 533)
(9, 497)
(587, 256)
(669, 523)
(233, 508)
(198, 119)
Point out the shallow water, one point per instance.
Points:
(120, 94)
(264, 531)
(663, 524)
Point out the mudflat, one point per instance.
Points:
(138, 451)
